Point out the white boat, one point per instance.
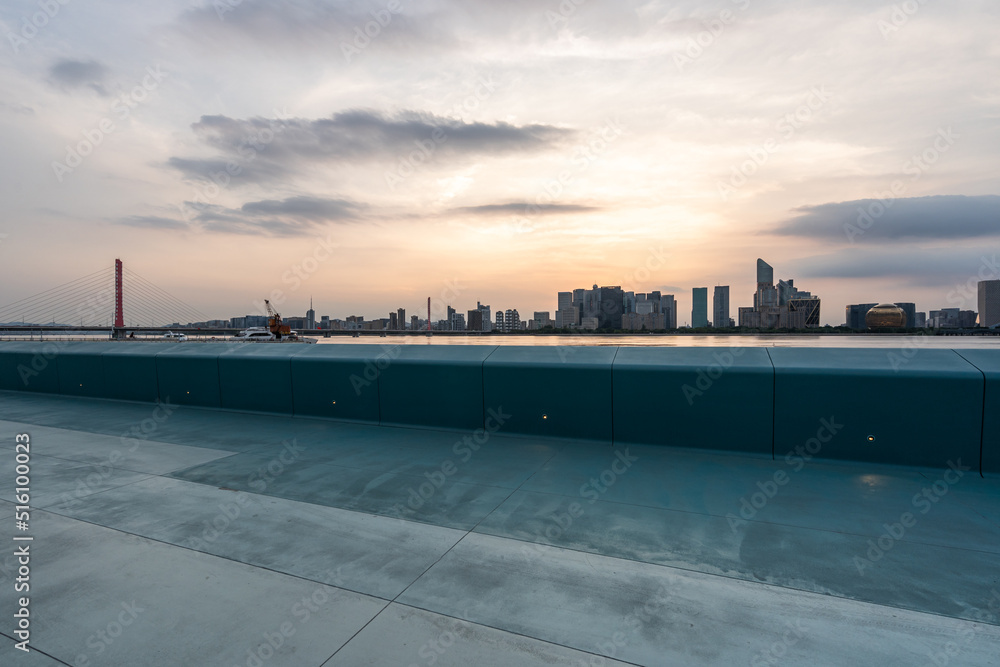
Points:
(264, 335)
(170, 335)
(254, 334)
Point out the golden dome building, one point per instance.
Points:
(885, 316)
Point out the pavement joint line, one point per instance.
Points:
(746, 581)
(225, 558)
(141, 472)
(504, 630)
(448, 551)
(35, 650)
(95, 493)
(771, 523)
(502, 537)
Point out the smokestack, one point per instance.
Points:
(428, 313)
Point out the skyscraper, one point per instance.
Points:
(989, 303)
(401, 318)
(720, 307)
(565, 300)
(911, 313)
(310, 316)
(699, 307)
(668, 306)
(855, 315)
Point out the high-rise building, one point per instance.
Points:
(989, 303)
(783, 305)
(720, 307)
(324, 322)
(921, 320)
(393, 322)
(855, 315)
(699, 307)
(401, 318)
(911, 314)
(450, 317)
(487, 322)
(475, 320)
(565, 300)
(500, 323)
(668, 306)
(457, 322)
(310, 322)
(511, 320)
(414, 322)
(541, 319)
(612, 305)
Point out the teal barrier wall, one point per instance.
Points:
(338, 381)
(708, 398)
(921, 407)
(189, 374)
(81, 369)
(558, 391)
(257, 377)
(130, 370)
(30, 366)
(433, 385)
(988, 362)
(915, 406)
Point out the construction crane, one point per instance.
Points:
(274, 322)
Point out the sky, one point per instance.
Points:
(368, 155)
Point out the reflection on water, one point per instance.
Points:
(776, 340)
(666, 340)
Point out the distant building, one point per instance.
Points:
(921, 320)
(401, 318)
(564, 300)
(855, 315)
(540, 320)
(989, 303)
(952, 318)
(644, 322)
(668, 306)
(414, 323)
(457, 321)
(449, 317)
(324, 322)
(487, 322)
(310, 316)
(511, 320)
(911, 314)
(393, 322)
(475, 320)
(699, 307)
(720, 307)
(589, 323)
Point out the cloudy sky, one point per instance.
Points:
(372, 153)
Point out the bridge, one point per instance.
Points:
(111, 299)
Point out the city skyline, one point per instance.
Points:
(844, 150)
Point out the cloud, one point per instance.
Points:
(261, 149)
(71, 74)
(931, 267)
(940, 217)
(151, 222)
(525, 208)
(293, 216)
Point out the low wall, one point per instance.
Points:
(905, 407)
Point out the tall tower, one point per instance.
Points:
(310, 316)
(119, 311)
(699, 307)
(720, 307)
